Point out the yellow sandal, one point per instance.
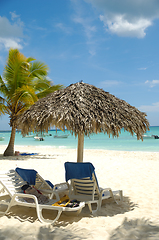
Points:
(60, 203)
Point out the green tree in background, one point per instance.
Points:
(24, 82)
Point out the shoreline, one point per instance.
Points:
(136, 173)
(17, 147)
(100, 141)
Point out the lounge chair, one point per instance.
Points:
(11, 194)
(83, 185)
(33, 178)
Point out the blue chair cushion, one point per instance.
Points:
(28, 175)
(78, 170)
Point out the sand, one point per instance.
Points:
(136, 173)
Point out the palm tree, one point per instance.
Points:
(24, 82)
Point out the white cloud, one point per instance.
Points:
(11, 33)
(110, 83)
(127, 18)
(92, 52)
(82, 17)
(9, 30)
(152, 83)
(65, 29)
(150, 108)
(89, 31)
(122, 27)
(144, 68)
(86, 23)
(10, 43)
(14, 15)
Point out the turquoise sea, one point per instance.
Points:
(125, 142)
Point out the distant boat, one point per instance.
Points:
(39, 138)
(2, 138)
(47, 134)
(29, 136)
(150, 136)
(61, 136)
(155, 136)
(43, 134)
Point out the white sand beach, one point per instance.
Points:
(136, 173)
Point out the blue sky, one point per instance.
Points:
(113, 45)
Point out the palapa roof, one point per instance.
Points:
(83, 108)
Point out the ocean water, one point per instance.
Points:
(125, 142)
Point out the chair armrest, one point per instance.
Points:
(105, 189)
(46, 191)
(112, 194)
(102, 190)
(22, 195)
(61, 186)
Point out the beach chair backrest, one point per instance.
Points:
(28, 175)
(42, 184)
(85, 187)
(83, 180)
(12, 182)
(34, 179)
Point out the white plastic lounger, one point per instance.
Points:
(83, 185)
(10, 186)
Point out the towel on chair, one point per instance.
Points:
(28, 175)
(78, 170)
(42, 199)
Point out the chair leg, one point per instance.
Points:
(90, 208)
(9, 204)
(56, 194)
(43, 220)
(3, 213)
(121, 197)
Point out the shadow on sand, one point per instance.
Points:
(32, 232)
(136, 229)
(29, 156)
(109, 208)
(64, 228)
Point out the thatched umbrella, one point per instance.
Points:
(83, 109)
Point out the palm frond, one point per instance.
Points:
(16, 71)
(49, 90)
(30, 59)
(24, 81)
(3, 107)
(41, 84)
(24, 96)
(38, 69)
(3, 88)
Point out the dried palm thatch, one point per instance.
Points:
(84, 109)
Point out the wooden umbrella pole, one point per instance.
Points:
(80, 147)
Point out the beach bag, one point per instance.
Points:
(42, 199)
